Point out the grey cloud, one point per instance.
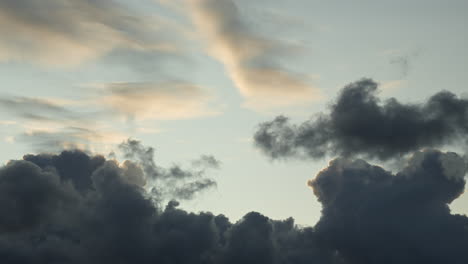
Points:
(405, 62)
(370, 215)
(359, 123)
(188, 190)
(76, 208)
(208, 161)
(44, 196)
(179, 183)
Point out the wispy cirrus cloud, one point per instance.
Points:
(55, 140)
(70, 32)
(38, 109)
(251, 60)
(56, 123)
(158, 101)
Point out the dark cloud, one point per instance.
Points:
(73, 166)
(29, 196)
(77, 208)
(372, 216)
(188, 190)
(360, 124)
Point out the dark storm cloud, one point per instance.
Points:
(359, 123)
(77, 208)
(73, 166)
(372, 216)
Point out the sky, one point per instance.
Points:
(227, 90)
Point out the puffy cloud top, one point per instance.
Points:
(359, 123)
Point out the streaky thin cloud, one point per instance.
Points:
(56, 139)
(70, 32)
(251, 60)
(359, 123)
(159, 101)
(53, 124)
(38, 109)
(56, 123)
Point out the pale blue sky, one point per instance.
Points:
(413, 48)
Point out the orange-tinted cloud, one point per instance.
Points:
(158, 101)
(70, 32)
(249, 58)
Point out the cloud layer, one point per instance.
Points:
(67, 33)
(51, 124)
(359, 123)
(77, 208)
(250, 59)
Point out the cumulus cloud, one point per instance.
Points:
(250, 59)
(370, 215)
(160, 101)
(359, 123)
(77, 208)
(67, 33)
